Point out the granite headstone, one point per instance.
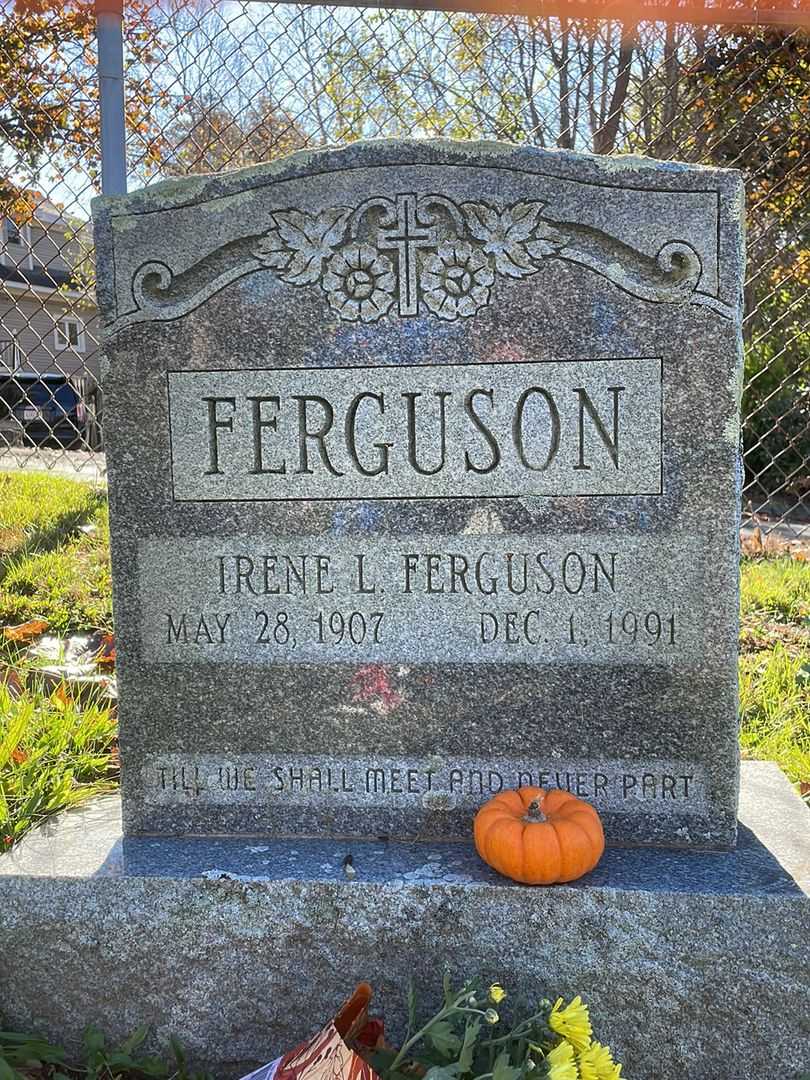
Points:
(424, 480)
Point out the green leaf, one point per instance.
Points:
(94, 1051)
(443, 1072)
(444, 1040)
(13, 735)
(381, 1060)
(178, 1051)
(135, 1040)
(448, 988)
(471, 1033)
(21, 1048)
(503, 1070)
(93, 1039)
(152, 1066)
(7, 1073)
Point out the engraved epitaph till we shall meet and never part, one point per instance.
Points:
(424, 483)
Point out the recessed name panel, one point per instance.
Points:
(578, 598)
(418, 431)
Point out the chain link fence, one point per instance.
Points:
(220, 85)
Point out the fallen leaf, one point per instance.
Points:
(11, 680)
(80, 679)
(26, 631)
(61, 696)
(106, 650)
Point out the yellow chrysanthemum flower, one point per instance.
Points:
(496, 993)
(596, 1063)
(572, 1022)
(561, 1064)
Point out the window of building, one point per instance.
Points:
(12, 356)
(70, 334)
(15, 249)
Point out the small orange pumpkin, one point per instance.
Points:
(539, 837)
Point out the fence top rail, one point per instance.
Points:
(787, 13)
(697, 12)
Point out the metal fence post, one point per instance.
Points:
(109, 28)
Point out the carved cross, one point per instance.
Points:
(406, 238)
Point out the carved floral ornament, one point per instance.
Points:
(417, 254)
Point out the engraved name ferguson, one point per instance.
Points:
(421, 432)
(418, 431)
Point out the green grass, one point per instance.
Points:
(27, 1057)
(777, 588)
(775, 709)
(55, 753)
(775, 664)
(37, 511)
(54, 553)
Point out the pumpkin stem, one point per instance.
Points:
(533, 812)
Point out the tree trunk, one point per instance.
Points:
(664, 145)
(604, 139)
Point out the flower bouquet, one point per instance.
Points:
(473, 1036)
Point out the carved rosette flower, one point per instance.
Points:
(359, 283)
(456, 280)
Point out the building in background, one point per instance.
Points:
(49, 357)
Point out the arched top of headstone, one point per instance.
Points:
(398, 229)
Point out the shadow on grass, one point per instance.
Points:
(48, 537)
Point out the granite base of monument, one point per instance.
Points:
(695, 963)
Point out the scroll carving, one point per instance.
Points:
(417, 255)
